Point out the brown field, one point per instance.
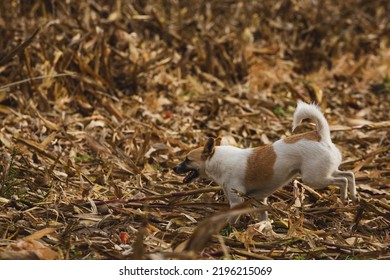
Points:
(100, 99)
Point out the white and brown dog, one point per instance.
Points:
(258, 172)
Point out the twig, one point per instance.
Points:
(178, 194)
(19, 48)
(35, 78)
(250, 255)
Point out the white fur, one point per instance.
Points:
(317, 162)
(314, 160)
(313, 112)
(227, 168)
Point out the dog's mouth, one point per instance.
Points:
(191, 176)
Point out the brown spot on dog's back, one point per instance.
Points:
(310, 136)
(260, 167)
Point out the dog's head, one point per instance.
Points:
(194, 163)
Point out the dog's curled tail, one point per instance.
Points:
(313, 112)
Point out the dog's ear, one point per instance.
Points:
(208, 149)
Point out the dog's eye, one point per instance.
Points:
(187, 160)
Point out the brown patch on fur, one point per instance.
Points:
(260, 167)
(310, 136)
(195, 155)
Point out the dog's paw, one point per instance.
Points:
(356, 199)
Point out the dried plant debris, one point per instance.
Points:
(100, 99)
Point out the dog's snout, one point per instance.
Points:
(175, 169)
(178, 169)
(181, 168)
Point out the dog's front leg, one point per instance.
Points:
(234, 200)
(263, 215)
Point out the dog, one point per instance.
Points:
(259, 172)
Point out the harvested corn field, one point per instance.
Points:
(99, 100)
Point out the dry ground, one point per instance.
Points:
(100, 99)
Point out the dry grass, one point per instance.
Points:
(99, 99)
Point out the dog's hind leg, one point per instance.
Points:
(319, 182)
(351, 182)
